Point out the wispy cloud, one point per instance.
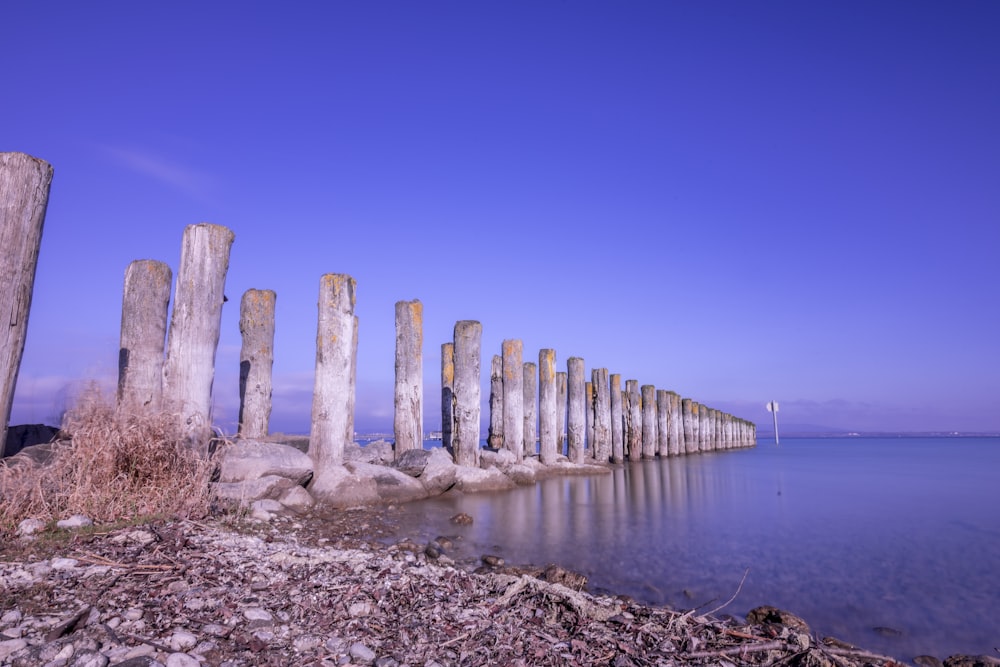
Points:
(195, 183)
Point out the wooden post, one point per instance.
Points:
(408, 398)
(333, 393)
(589, 447)
(447, 395)
(702, 428)
(494, 437)
(465, 437)
(24, 195)
(530, 385)
(676, 426)
(513, 398)
(617, 420)
(649, 436)
(576, 420)
(195, 324)
(602, 415)
(633, 420)
(663, 423)
(143, 335)
(562, 380)
(547, 407)
(687, 420)
(256, 362)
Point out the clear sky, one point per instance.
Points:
(738, 201)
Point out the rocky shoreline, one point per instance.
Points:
(180, 592)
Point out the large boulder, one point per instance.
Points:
(340, 488)
(251, 459)
(412, 462)
(440, 472)
(378, 452)
(247, 491)
(474, 480)
(391, 484)
(501, 459)
(26, 435)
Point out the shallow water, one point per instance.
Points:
(851, 534)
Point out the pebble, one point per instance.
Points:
(64, 563)
(362, 653)
(257, 614)
(181, 660)
(75, 521)
(182, 640)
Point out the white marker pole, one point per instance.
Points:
(772, 407)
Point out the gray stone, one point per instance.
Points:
(30, 527)
(342, 488)
(252, 459)
(246, 492)
(182, 660)
(477, 480)
(362, 653)
(265, 510)
(501, 459)
(296, 499)
(390, 484)
(440, 472)
(75, 521)
(378, 452)
(412, 462)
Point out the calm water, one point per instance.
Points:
(851, 534)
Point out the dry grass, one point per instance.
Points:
(114, 468)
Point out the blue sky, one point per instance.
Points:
(737, 201)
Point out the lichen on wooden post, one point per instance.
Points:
(633, 420)
(547, 407)
(562, 380)
(602, 415)
(145, 300)
(576, 420)
(494, 437)
(465, 436)
(447, 395)
(256, 362)
(530, 385)
(617, 423)
(649, 435)
(512, 351)
(24, 196)
(195, 324)
(333, 394)
(408, 398)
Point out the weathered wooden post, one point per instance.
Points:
(649, 436)
(617, 425)
(465, 436)
(447, 395)
(530, 385)
(663, 423)
(702, 412)
(256, 362)
(687, 420)
(408, 399)
(143, 335)
(633, 419)
(562, 380)
(194, 329)
(676, 426)
(513, 397)
(333, 394)
(494, 437)
(589, 447)
(24, 195)
(576, 420)
(602, 415)
(547, 407)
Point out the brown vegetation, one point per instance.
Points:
(112, 467)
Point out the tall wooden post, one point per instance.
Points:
(494, 437)
(513, 397)
(576, 420)
(408, 398)
(143, 335)
(700, 428)
(333, 392)
(465, 437)
(676, 426)
(562, 381)
(256, 362)
(633, 420)
(547, 407)
(617, 430)
(447, 395)
(688, 419)
(602, 415)
(649, 436)
(530, 385)
(589, 390)
(195, 324)
(24, 195)
(663, 423)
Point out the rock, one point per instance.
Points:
(972, 661)
(265, 510)
(499, 458)
(492, 561)
(766, 614)
(359, 609)
(30, 527)
(555, 574)
(139, 537)
(474, 480)
(391, 484)
(433, 550)
(362, 653)
(63, 563)
(412, 462)
(244, 493)
(93, 659)
(462, 519)
(439, 473)
(257, 614)
(340, 488)
(296, 499)
(181, 660)
(251, 459)
(378, 452)
(181, 640)
(75, 521)
(10, 646)
(22, 436)
(927, 661)
(521, 474)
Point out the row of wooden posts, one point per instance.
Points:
(600, 420)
